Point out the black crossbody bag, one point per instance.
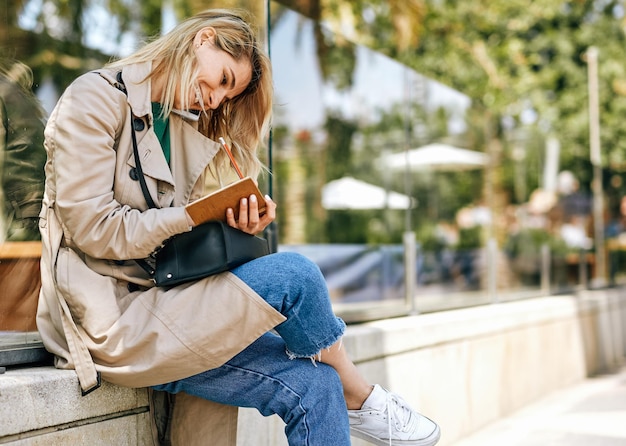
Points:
(209, 248)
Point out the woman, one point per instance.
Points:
(210, 338)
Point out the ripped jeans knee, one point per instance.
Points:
(295, 286)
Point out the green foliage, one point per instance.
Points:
(524, 248)
(348, 226)
(470, 238)
(427, 239)
(512, 55)
(338, 146)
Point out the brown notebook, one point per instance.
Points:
(214, 205)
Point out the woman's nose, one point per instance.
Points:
(216, 98)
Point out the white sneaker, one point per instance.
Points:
(385, 419)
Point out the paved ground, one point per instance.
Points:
(590, 414)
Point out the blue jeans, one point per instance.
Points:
(275, 374)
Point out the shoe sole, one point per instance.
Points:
(431, 440)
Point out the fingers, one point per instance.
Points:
(249, 219)
(230, 218)
(270, 210)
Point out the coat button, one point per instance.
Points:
(138, 124)
(133, 174)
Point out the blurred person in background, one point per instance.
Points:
(22, 160)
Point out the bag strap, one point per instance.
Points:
(143, 263)
(139, 170)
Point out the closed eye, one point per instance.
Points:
(233, 81)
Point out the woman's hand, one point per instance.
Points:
(249, 219)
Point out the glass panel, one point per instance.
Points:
(330, 190)
(486, 231)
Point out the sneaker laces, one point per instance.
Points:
(399, 413)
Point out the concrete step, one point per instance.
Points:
(44, 406)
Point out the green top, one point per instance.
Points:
(162, 129)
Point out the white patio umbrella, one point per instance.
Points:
(350, 193)
(435, 157)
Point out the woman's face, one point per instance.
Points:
(220, 77)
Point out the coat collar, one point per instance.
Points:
(138, 88)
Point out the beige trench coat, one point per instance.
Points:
(94, 220)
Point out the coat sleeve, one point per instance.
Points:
(81, 140)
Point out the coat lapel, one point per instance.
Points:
(191, 154)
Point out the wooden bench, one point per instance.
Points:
(20, 281)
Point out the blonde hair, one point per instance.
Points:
(244, 119)
(17, 72)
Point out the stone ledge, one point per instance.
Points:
(126, 431)
(457, 355)
(398, 335)
(37, 398)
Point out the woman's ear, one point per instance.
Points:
(206, 34)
